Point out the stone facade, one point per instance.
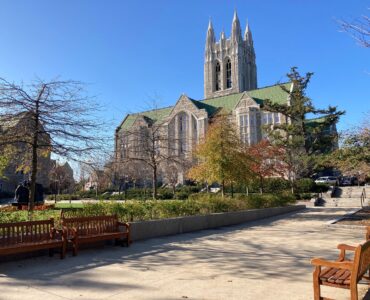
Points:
(229, 64)
(12, 174)
(230, 85)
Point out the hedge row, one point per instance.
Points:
(134, 210)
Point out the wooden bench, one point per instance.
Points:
(20, 237)
(82, 230)
(342, 273)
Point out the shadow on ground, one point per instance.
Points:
(264, 249)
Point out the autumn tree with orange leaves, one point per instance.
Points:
(268, 161)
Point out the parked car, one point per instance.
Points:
(331, 180)
(348, 180)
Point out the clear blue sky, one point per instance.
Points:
(132, 51)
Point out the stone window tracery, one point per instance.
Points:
(218, 77)
(228, 74)
(243, 127)
(183, 132)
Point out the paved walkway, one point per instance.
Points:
(268, 259)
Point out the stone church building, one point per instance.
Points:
(230, 85)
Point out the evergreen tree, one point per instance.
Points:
(304, 141)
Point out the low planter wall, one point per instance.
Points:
(155, 228)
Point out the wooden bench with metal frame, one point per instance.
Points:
(83, 230)
(342, 273)
(28, 236)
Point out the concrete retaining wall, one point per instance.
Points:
(156, 228)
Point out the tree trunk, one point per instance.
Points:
(35, 142)
(223, 188)
(154, 182)
(232, 191)
(31, 201)
(261, 185)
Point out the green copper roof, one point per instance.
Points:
(212, 105)
(274, 93)
(155, 115)
(315, 121)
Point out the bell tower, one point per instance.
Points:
(229, 64)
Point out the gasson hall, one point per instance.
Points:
(230, 86)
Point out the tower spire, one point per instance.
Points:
(248, 35)
(236, 35)
(210, 35)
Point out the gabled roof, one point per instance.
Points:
(12, 121)
(226, 102)
(274, 93)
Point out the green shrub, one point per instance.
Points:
(22, 215)
(303, 196)
(274, 185)
(165, 193)
(137, 210)
(320, 188)
(304, 185)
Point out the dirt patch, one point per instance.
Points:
(361, 217)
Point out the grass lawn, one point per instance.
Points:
(69, 205)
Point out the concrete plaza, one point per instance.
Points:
(267, 259)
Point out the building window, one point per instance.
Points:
(124, 147)
(243, 127)
(195, 129)
(253, 127)
(228, 73)
(218, 76)
(276, 118)
(269, 118)
(183, 129)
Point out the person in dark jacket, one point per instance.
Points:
(22, 194)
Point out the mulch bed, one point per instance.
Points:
(362, 217)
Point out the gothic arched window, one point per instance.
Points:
(218, 77)
(228, 73)
(183, 122)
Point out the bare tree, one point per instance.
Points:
(62, 177)
(60, 120)
(172, 175)
(359, 29)
(150, 141)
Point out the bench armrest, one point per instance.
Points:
(70, 231)
(343, 248)
(367, 236)
(344, 265)
(52, 233)
(346, 247)
(63, 233)
(127, 225)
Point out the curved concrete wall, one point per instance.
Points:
(155, 228)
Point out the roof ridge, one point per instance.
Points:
(151, 110)
(268, 86)
(317, 118)
(220, 96)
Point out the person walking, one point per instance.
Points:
(22, 194)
